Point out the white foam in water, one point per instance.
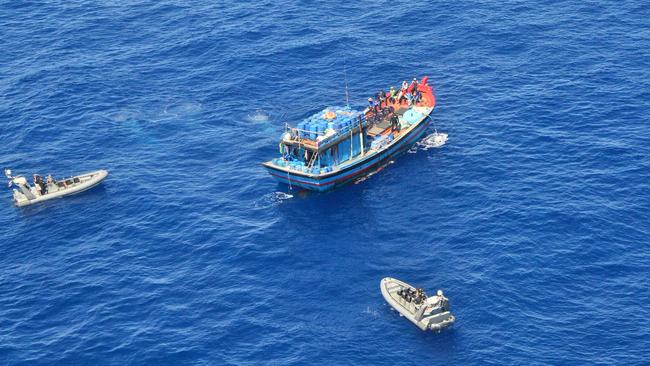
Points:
(179, 109)
(123, 115)
(435, 140)
(282, 196)
(371, 312)
(259, 115)
(272, 199)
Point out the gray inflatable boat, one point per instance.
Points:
(24, 194)
(427, 312)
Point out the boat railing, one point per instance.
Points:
(312, 137)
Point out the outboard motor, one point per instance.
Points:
(21, 183)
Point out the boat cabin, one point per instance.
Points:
(336, 135)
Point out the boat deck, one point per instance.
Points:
(382, 127)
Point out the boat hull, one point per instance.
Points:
(92, 179)
(365, 166)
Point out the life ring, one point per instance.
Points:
(329, 115)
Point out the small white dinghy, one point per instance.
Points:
(49, 189)
(430, 312)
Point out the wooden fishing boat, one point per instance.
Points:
(339, 145)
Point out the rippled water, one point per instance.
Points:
(533, 216)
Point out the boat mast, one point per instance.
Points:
(347, 104)
(363, 151)
(345, 76)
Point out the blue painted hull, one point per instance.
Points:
(362, 167)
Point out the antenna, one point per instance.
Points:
(345, 75)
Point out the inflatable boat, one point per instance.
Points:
(24, 194)
(427, 312)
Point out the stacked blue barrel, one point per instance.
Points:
(316, 125)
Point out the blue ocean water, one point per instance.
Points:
(533, 217)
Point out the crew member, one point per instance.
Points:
(394, 122)
(417, 96)
(41, 184)
(409, 99)
(414, 85)
(38, 184)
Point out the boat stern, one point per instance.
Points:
(297, 178)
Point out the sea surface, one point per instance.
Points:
(533, 218)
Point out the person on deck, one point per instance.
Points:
(394, 122)
(39, 184)
(414, 85)
(417, 96)
(382, 98)
(392, 94)
(402, 96)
